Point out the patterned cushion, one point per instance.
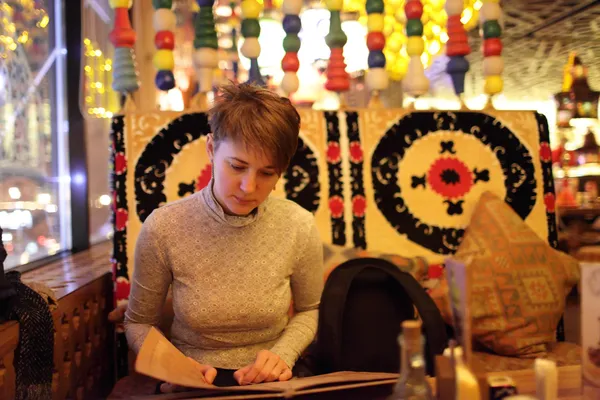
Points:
(335, 255)
(518, 282)
(563, 353)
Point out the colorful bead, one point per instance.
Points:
(291, 24)
(250, 48)
(164, 80)
(250, 28)
(164, 40)
(377, 79)
(290, 62)
(291, 43)
(415, 46)
(114, 4)
(375, 22)
(493, 66)
(376, 59)
(375, 41)
(493, 84)
(163, 60)
(491, 29)
(292, 7)
(251, 9)
(164, 20)
(162, 4)
(413, 9)
(414, 27)
(205, 57)
(334, 5)
(375, 7)
(492, 47)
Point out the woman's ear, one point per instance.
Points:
(210, 146)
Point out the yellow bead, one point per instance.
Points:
(415, 46)
(163, 60)
(375, 22)
(251, 9)
(493, 84)
(334, 5)
(120, 3)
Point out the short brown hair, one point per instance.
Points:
(258, 118)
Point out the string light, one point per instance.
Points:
(99, 98)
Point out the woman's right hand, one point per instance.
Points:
(209, 373)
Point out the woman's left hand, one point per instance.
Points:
(267, 367)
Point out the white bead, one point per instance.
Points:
(292, 7)
(290, 83)
(164, 20)
(250, 48)
(490, 12)
(493, 65)
(377, 79)
(205, 57)
(454, 7)
(415, 83)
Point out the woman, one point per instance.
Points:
(234, 256)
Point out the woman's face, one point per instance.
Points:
(243, 179)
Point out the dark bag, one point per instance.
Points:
(362, 307)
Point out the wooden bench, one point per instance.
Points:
(84, 341)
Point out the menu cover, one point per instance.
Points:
(160, 359)
(590, 330)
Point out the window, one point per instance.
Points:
(34, 176)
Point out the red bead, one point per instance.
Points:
(492, 47)
(454, 22)
(413, 9)
(375, 41)
(164, 40)
(457, 49)
(290, 62)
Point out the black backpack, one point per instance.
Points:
(363, 304)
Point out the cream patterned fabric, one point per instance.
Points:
(233, 279)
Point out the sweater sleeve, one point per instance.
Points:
(149, 286)
(307, 286)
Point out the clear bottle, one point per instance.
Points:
(412, 383)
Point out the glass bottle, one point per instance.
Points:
(412, 383)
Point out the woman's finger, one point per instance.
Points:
(286, 375)
(276, 372)
(266, 370)
(261, 360)
(207, 371)
(239, 374)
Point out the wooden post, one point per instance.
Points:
(146, 97)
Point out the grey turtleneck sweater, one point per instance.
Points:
(233, 279)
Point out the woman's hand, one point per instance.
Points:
(267, 367)
(209, 373)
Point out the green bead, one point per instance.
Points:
(491, 29)
(162, 4)
(291, 43)
(206, 12)
(374, 6)
(336, 37)
(211, 42)
(250, 28)
(414, 27)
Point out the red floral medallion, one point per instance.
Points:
(450, 177)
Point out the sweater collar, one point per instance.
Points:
(217, 212)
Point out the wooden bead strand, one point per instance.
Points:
(291, 45)
(164, 22)
(457, 47)
(206, 45)
(415, 83)
(493, 64)
(338, 79)
(377, 76)
(251, 10)
(125, 76)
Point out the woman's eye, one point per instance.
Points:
(238, 167)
